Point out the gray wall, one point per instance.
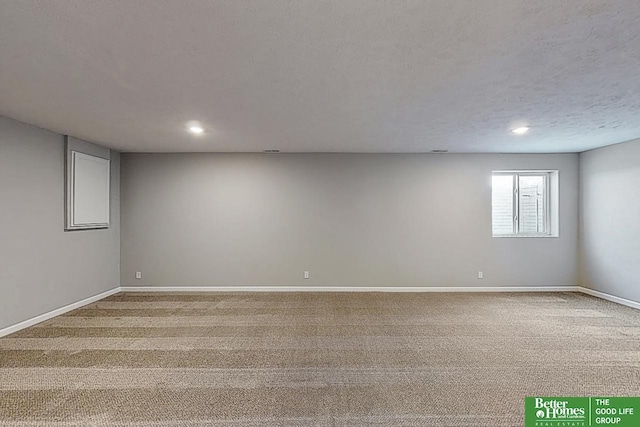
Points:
(42, 267)
(610, 214)
(350, 219)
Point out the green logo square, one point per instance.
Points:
(556, 412)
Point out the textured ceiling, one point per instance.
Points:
(343, 75)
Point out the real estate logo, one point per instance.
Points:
(582, 411)
(559, 411)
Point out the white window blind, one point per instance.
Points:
(520, 203)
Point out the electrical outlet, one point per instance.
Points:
(138, 274)
(480, 275)
(306, 274)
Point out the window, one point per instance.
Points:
(521, 203)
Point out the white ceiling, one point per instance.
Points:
(339, 75)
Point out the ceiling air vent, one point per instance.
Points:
(439, 151)
(271, 151)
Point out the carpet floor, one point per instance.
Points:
(325, 359)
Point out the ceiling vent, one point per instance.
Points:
(271, 151)
(439, 151)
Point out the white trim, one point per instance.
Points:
(609, 297)
(525, 236)
(46, 316)
(57, 312)
(349, 289)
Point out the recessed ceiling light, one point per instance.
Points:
(196, 129)
(521, 130)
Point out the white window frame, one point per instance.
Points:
(547, 220)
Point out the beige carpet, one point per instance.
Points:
(326, 359)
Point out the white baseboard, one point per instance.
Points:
(46, 316)
(349, 289)
(446, 289)
(609, 297)
(57, 312)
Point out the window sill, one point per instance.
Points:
(526, 236)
